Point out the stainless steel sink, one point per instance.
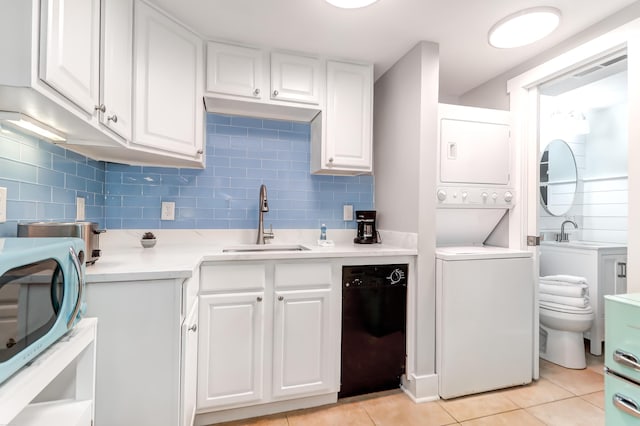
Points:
(259, 248)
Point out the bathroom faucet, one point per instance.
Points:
(262, 209)
(564, 237)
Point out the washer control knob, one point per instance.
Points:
(508, 196)
(494, 196)
(464, 195)
(442, 194)
(484, 196)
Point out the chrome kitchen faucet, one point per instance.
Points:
(262, 209)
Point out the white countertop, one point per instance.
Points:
(178, 253)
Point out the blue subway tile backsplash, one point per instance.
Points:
(43, 181)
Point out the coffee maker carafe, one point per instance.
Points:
(366, 232)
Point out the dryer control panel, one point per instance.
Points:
(474, 197)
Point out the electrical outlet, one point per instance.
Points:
(3, 204)
(168, 210)
(347, 212)
(80, 208)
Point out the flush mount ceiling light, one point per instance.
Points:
(524, 27)
(26, 124)
(350, 4)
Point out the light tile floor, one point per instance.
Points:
(561, 397)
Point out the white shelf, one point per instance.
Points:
(56, 413)
(77, 346)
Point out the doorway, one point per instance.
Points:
(526, 92)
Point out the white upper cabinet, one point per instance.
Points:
(235, 70)
(168, 111)
(117, 66)
(70, 50)
(295, 78)
(345, 144)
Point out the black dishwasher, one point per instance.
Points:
(374, 319)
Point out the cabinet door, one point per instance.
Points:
(303, 353)
(349, 112)
(69, 49)
(189, 367)
(295, 78)
(234, 70)
(117, 66)
(168, 110)
(230, 349)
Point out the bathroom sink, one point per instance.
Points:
(259, 248)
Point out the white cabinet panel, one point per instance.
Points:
(295, 78)
(189, 367)
(348, 140)
(230, 349)
(69, 55)
(302, 342)
(117, 66)
(168, 79)
(474, 152)
(234, 70)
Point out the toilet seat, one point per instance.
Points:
(556, 307)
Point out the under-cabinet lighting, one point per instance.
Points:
(350, 4)
(29, 125)
(524, 27)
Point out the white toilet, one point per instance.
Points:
(561, 329)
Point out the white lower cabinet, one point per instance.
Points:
(269, 337)
(145, 351)
(230, 349)
(301, 342)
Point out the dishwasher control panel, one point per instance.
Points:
(374, 275)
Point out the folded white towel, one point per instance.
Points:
(565, 278)
(574, 290)
(580, 302)
(566, 308)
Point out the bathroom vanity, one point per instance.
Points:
(604, 265)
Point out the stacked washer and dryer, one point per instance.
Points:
(484, 289)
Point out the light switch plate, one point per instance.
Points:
(168, 210)
(347, 212)
(3, 204)
(80, 208)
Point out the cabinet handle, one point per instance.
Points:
(194, 327)
(627, 359)
(256, 92)
(113, 118)
(259, 298)
(100, 108)
(626, 404)
(281, 298)
(330, 161)
(275, 93)
(622, 270)
(200, 152)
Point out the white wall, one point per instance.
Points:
(405, 134)
(600, 204)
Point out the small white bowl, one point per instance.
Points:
(148, 243)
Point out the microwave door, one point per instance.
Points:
(30, 300)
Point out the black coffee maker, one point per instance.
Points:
(366, 233)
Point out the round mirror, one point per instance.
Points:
(558, 178)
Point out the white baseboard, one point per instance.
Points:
(421, 388)
(203, 419)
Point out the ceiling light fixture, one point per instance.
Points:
(351, 4)
(524, 27)
(26, 124)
